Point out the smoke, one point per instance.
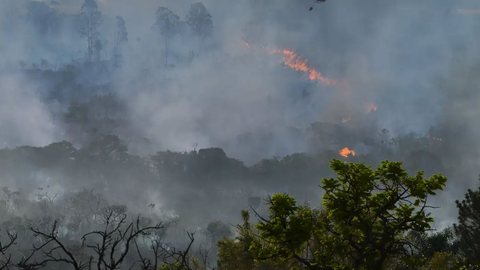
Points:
(389, 54)
(24, 117)
(416, 61)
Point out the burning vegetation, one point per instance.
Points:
(99, 194)
(347, 152)
(292, 60)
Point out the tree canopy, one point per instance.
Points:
(364, 221)
(468, 226)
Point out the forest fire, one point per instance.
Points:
(292, 60)
(347, 152)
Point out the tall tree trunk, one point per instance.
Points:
(166, 51)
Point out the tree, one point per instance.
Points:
(166, 23)
(91, 18)
(102, 249)
(468, 226)
(199, 20)
(216, 231)
(366, 216)
(112, 244)
(427, 245)
(53, 249)
(121, 38)
(429, 250)
(5, 255)
(236, 254)
(293, 235)
(371, 210)
(44, 19)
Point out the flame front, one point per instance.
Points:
(347, 152)
(292, 60)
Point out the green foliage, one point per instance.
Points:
(217, 230)
(427, 245)
(233, 254)
(468, 226)
(286, 234)
(364, 223)
(237, 254)
(371, 210)
(442, 261)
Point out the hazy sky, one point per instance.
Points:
(392, 54)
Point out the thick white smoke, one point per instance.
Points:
(24, 117)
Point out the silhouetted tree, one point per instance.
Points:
(166, 23)
(199, 20)
(112, 244)
(43, 18)
(121, 37)
(5, 254)
(103, 249)
(468, 226)
(91, 18)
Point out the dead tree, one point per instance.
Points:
(6, 257)
(112, 244)
(164, 255)
(104, 249)
(52, 249)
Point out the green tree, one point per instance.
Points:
(364, 222)
(236, 254)
(468, 226)
(372, 210)
(442, 261)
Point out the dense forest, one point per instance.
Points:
(273, 134)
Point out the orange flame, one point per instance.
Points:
(347, 152)
(292, 60)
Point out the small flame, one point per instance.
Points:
(292, 60)
(372, 107)
(347, 152)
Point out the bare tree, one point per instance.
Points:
(52, 249)
(172, 257)
(5, 256)
(112, 244)
(105, 249)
